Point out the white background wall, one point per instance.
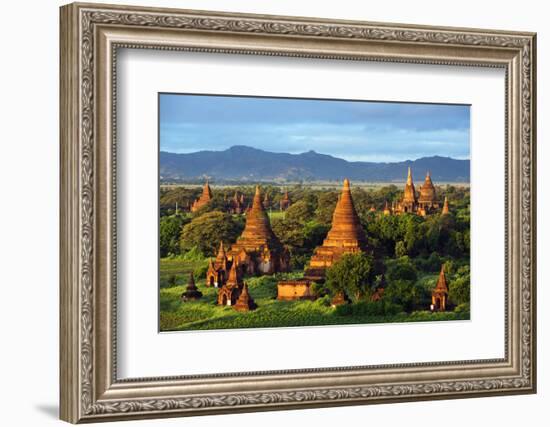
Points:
(29, 171)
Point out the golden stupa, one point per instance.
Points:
(258, 250)
(345, 236)
(204, 199)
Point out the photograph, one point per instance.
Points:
(293, 212)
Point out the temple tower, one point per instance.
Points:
(217, 270)
(191, 292)
(237, 204)
(409, 203)
(285, 202)
(204, 199)
(427, 199)
(445, 210)
(230, 291)
(245, 301)
(257, 230)
(345, 236)
(440, 294)
(258, 249)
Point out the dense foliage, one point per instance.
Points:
(405, 254)
(206, 231)
(169, 233)
(353, 274)
(304, 225)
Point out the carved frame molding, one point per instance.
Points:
(90, 36)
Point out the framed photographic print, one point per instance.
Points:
(264, 212)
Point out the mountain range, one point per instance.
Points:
(243, 163)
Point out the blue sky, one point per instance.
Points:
(365, 131)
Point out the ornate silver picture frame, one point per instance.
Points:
(91, 390)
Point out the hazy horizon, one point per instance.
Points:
(314, 151)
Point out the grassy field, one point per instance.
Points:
(179, 268)
(205, 314)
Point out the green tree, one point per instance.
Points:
(401, 269)
(218, 203)
(407, 294)
(299, 238)
(314, 234)
(206, 231)
(352, 274)
(169, 234)
(326, 203)
(301, 212)
(459, 286)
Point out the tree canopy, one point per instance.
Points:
(169, 232)
(352, 274)
(206, 231)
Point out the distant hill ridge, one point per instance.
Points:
(245, 163)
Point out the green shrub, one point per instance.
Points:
(193, 254)
(369, 309)
(200, 271)
(323, 301)
(462, 308)
(407, 294)
(343, 310)
(401, 269)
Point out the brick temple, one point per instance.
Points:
(237, 204)
(445, 210)
(234, 291)
(345, 236)
(218, 269)
(423, 205)
(285, 202)
(409, 202)
(427, 202)
(440, 294)
(204, 199)
(258, 250)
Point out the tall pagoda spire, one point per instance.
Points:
(442, 280)
(205, 197)
(410, 193)
(445, 210)
(345, 236)
(221, 251)
(257, 225)
(206, 191)
(257, 248)
(345, 221)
